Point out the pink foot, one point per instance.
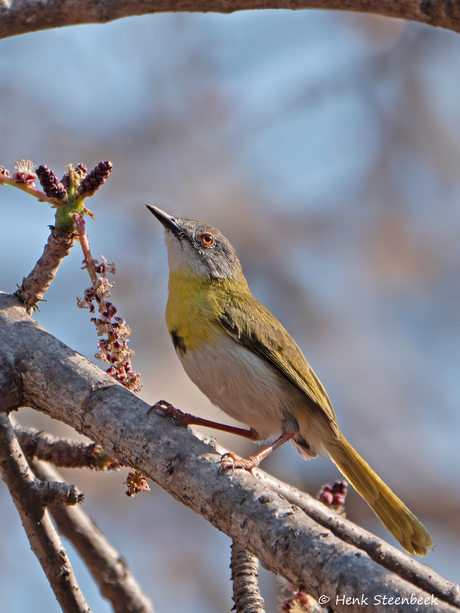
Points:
(185, 419)
(230, 461)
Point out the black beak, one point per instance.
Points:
(168, 222)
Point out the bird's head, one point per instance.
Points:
(198, 248)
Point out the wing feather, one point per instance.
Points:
(252, 325)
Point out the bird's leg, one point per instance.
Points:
(231, 461)
(186, 419)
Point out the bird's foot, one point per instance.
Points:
(167, 409)
(230, 461)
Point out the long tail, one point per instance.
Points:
(393, 513)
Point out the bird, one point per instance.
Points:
(242, 358)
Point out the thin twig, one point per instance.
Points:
(84, 242)
(108, 568)
(34, 286)
(43, 538)
(29, 189)
(245, 571)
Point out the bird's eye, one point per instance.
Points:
(207, 239)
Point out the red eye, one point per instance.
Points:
(207, 239)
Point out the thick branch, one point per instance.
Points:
(108, 568)
(56, 380)
(21, 16)
(43, 538)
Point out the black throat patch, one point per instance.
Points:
(178, 341)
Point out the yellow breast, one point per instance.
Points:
(191, 312)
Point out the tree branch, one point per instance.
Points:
(53, 492)
(108, 568)
(64, 453)
(22, 16)
(35, 285)
(43, 538)
(52, 378)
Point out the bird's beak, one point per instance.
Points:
(168, 222)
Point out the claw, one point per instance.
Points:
(168, 410)
(161, 405)
(229, 461)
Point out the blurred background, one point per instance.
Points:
(326, 147)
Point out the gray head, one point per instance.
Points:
(198, 246)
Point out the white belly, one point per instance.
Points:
(241, 384)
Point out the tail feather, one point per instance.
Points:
(391, 511)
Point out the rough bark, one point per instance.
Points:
(50, 377)
(22, 16)
(36, 284)
(64, 453)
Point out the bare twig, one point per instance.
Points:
(28, 188)
(56, 493)
(251, 509)
(34, 287)
(64, 453)
(108, 568)
(29, 16)
(245, 571)
(43, 538)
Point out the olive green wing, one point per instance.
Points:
(252, 325)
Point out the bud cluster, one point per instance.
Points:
(51, 185)
(76, 184)
(79, 173)
(93, 181)
(334, 495)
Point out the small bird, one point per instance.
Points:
(239, 355)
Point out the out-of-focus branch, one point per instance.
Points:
(23, 16)
(43, 538)
(53, 492)
(107, 566)
(64, 453)
(245, 571)
(35, 285)
(312, 555)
